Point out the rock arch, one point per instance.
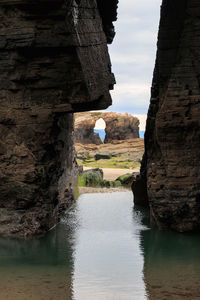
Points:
(54, 61)
(118, 127)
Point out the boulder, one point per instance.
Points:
(92, 177)
(99, 156)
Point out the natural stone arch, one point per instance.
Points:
(118, 126)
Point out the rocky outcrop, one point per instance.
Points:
(171, 165)
(121, 127)
(54, 61)
(118, 127)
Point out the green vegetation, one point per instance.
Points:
(114, 162)
(126, 179)
(76, 192)
(94, 178)
(94, 181)
(96, 114)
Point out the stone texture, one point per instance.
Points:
(171, 165)
(118, 127)
(53, 61)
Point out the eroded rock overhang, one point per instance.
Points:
(53, 61)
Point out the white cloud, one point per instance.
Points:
(120, 58)
(133, 54)
(142, 119)
(130, 96)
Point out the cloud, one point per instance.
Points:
(131, 97)
(120, 58)
(142, 119)
(133, 54)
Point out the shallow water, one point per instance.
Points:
(103, 249)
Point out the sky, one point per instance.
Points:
(133, 55)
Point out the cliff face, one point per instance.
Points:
(54, 61)
(171, 165)
(118, 127)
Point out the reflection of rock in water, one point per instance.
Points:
(38, 268)
(171, 263)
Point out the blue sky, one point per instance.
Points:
(133, 54)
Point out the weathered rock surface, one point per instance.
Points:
(54, 61)
(118, 127)
(171, 165)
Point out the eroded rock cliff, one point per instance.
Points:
(53, 61)
(171, 165)
(118, 127)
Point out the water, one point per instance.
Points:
(141, 134)
(101, 133)
(104, 249)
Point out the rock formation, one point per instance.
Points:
(171, 165)
(118, 127)
(121, 127)
(54, 61)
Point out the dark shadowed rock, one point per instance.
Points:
(172, 140)
(99, 156)
(140, 192)
(54, 61)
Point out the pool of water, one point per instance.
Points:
(103, 249)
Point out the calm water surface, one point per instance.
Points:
(103, 249)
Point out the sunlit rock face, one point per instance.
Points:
(118, 127)
(54, 61)
(171, 165)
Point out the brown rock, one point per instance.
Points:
(172, 157)
(54, 61)
(118, 127)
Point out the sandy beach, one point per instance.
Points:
(95, 190)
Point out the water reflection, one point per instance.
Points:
(107, 260)
(37, 269)
(171, 262)
(104, 249)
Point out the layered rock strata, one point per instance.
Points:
(53, 61)
(171, 165)
(118, 127)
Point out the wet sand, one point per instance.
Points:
(36, 284)
(94, 190)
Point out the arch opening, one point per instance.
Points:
(99, 128)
